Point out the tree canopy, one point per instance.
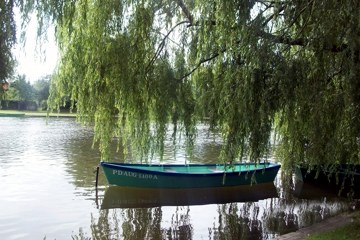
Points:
(7, 39)
(21, 90)
(248, 68)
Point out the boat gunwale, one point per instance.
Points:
(129, 167)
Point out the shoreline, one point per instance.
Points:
(326, 225)
(15, 113)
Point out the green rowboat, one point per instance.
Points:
(188, 175)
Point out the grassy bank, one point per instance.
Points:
(349, 231)
(12, 113)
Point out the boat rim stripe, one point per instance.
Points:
(127, 167)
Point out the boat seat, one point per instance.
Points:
(170, 170)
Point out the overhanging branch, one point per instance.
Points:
(276, 39)
(300, 42)
(162, 45)
(185, 10)
(204, 60)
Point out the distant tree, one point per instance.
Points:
(12, 94)
(7, 39)
(25, 91)
(42, 88)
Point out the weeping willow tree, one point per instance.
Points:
(249, 68)
(7, 41)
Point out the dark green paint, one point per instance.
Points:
(188, 176)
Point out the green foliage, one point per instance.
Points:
(41, 89)
(12, 94)
(248, 67)
(7, 39)
(21, 90)
(350, 231)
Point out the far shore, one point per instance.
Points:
(14, 113)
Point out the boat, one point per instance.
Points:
(129, 197)
(342, 178)
(188, 175)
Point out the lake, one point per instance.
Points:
(47, 183)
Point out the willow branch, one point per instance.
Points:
(185, 10)
(276, 39)
(162, 45)
(204, 60)
(300, 42)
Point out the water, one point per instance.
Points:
(47, 192)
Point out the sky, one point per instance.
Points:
(35, 60)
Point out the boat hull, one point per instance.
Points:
(169, 176)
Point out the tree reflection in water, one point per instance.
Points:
(250, 220)
(142, 223)
(262, 219)
(180, 225)
(239, 222)
(138, 223)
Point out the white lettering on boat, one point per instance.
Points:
(135, 175)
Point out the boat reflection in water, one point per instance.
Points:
(303, 190)
(126, 197)
(342, 180)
